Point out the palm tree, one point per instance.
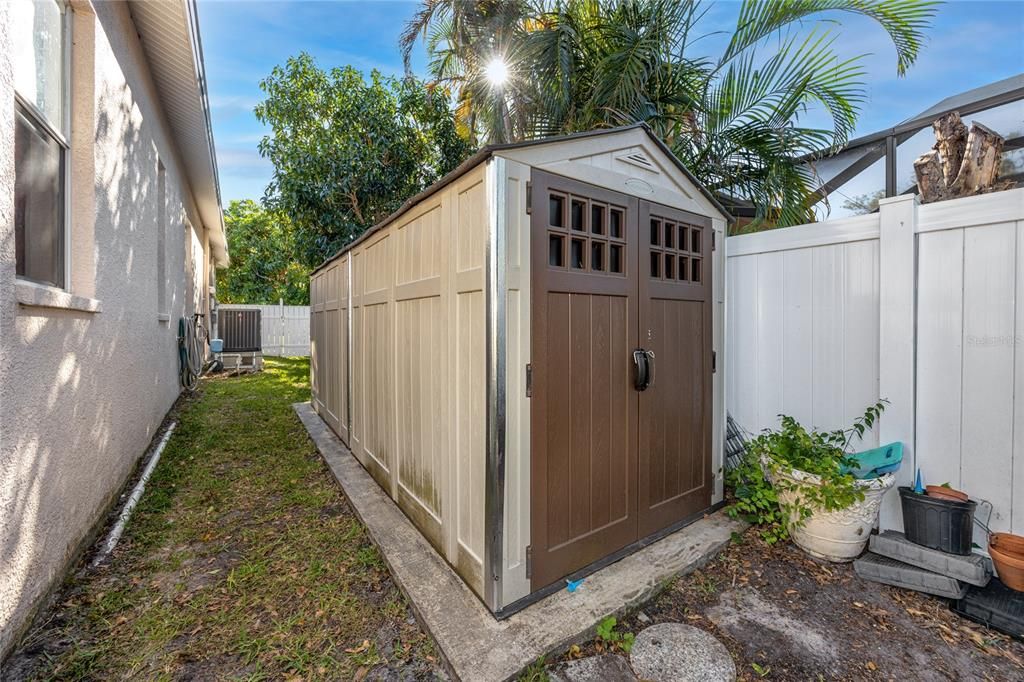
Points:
(736, 121)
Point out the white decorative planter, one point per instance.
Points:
(838, 535)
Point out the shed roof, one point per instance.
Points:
(490, 150)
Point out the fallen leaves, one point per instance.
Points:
(359, 649)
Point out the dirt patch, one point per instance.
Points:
(786, 616)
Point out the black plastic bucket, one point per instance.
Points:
(944, 525)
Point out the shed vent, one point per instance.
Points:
(638, 159)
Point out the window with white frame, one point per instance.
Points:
(40, 33)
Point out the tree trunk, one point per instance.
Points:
(931, 185)
(950, 139)
(980, 166)
(961, 163)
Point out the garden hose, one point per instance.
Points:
(190, 357)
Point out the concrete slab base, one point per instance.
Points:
(473, 643)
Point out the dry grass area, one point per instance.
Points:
(243, 561)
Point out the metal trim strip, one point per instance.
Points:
(494, 485)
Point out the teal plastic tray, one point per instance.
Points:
(873, 463)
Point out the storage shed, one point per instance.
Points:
(523, 357)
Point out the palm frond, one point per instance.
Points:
(904, 20)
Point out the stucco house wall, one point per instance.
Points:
(82, 391)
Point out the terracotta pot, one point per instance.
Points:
(944, 493)
(841, 535)
(1007, 552)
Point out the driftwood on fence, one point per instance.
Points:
(963, 161)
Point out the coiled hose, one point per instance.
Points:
(190, 354)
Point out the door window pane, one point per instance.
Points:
(597, 256)
(38, 202)
(577, 256)
(556, 246)
(615, 258)
(579, 210)
(597, 219)
(556, 211)
(615, 223)
(38, 36)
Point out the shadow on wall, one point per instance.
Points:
(82, 393)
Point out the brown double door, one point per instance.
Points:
(621, 372)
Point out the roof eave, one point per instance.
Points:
(218, 232)
(169, 32)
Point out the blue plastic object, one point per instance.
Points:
(875, 462)
(918, 486)
(216, 345)
(572, 585)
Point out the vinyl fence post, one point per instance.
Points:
(280, 324)
(897, 344)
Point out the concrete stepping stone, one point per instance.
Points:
(882, 569)
(603, 668)
(673, 652)
(973, 569)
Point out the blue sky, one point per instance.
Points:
(971, 43)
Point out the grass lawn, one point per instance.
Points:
(243, 561)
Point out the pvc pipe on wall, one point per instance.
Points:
(129, 507)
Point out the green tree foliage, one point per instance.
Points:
(348, 151)
(264, 267)
(736, 119)
(862, 204)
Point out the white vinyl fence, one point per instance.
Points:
(284, 328)
(923, 305)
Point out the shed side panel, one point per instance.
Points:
(418, 367)
(373, 358)
(469, 231)
(330, 358)
(341, 350)
(516, 535)
(315, 341)
(421, 367)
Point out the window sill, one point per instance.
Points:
(34, 295)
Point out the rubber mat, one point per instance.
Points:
(994, 605)
(882, 569)
(971, 569)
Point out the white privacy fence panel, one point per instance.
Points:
(284, 328)
(923, 305)
(803, 325)
(970, 362)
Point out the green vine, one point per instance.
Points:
(790, 501)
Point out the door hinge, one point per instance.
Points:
(529, 561)
(714, 361)
(529, 381)
(529, 197)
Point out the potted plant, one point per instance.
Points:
(798, 483)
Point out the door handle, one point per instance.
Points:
(643, 361)
(640, 364)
